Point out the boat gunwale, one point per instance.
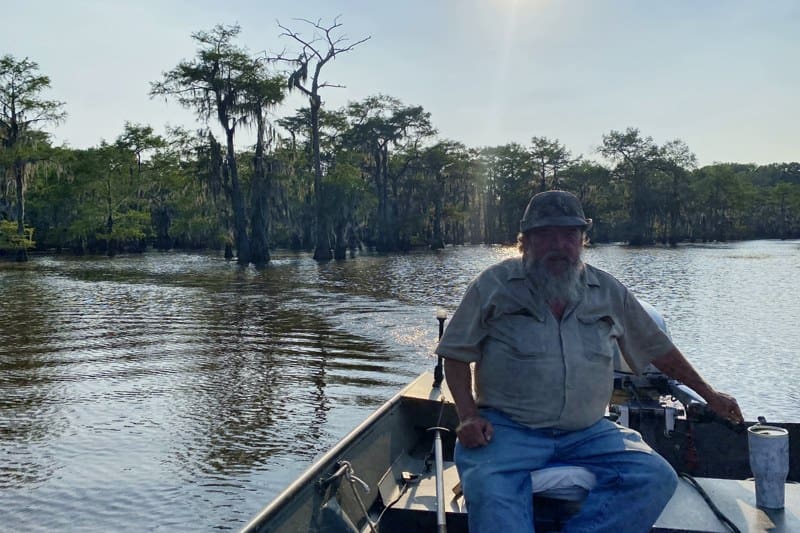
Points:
(314, 470)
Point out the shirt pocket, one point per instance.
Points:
(522, 333)
(598, 334)
(520, 377)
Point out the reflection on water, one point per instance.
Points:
(181, 392)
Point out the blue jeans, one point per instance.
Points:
(634, 483)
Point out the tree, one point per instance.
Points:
(314, 54)
(508, 189)
(447, 165)
(718, 201)
(379, 123)
(634, 156)
(600, 199)
(22, 111)
(139, 139)
(49, 201)
(119, 190)
(217, 82)
(264, 94)
(346, 196)
(144, 144)
(783, 202)
(201, 212)
(548, 157)
(296, 185)
(675, 164)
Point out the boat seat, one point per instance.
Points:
(560, 482)
(563, 482)
(558, 492)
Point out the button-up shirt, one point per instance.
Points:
(541, 371)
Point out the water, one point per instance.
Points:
(180, 392)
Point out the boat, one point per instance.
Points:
(395, 472)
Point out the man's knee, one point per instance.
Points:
(483, 486)
(659, 477)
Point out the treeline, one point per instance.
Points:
(371, 174)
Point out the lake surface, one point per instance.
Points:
(181, 392)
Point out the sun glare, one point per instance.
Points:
(506, 18)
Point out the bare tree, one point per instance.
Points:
(324, 45)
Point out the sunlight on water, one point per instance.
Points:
(181, 392)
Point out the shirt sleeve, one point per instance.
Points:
(642, 340)
(466, 330)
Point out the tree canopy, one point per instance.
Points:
(23, 113)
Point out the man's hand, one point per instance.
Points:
(725, 406)
(474, 431)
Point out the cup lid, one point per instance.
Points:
(767, 431)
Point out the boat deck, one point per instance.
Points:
(686, 511)
(736, 499)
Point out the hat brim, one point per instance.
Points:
(575, 222)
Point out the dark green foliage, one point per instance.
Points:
(104, 199)
(225, 82)
(24, 147)
(369, 175)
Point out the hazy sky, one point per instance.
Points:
(723, 76)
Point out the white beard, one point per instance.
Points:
(566, 287)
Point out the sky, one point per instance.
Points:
(722, 76)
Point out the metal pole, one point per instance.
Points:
(441, 517)
(438, 372)
(438, 375)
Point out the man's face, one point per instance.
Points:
(557, 247)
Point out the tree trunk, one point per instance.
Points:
(380, 193)
(259, 236)
(437, 242)
(162, 220)
(19, 179)
(340, 245)
(393, 205)
(259, 223)
(640, 233)
(110, 251)
(322, 247)
(237, 202)
(389, 230)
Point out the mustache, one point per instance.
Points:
(558, 256)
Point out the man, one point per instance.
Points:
(541, 330)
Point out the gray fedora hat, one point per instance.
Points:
(554, 208)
